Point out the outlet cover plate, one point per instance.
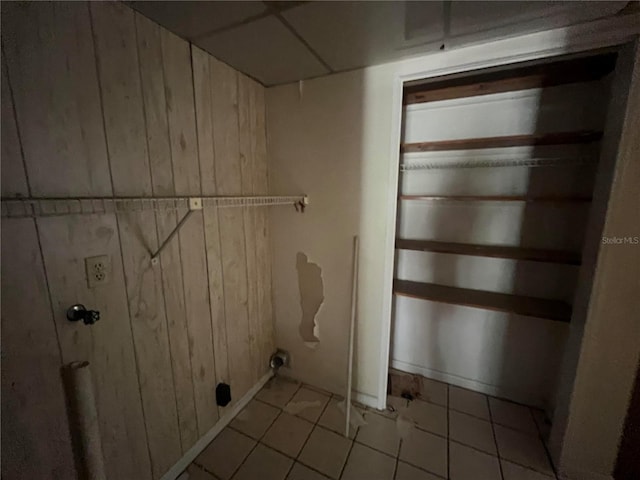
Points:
(98, 270)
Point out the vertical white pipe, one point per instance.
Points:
(354, 295)
(84, 422)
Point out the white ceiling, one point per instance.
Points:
(282, 42)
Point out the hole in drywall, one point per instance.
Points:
(311, 297)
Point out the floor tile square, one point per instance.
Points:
(429, 416)
(511, 471)
(380, 433)
(255, 419)
(288, 434)
(470, 464)
(523, 449)
(426, 451)
(365, 463)
(225, 453)
(307, 403)
(472, 431)
(197, 473)
(409, 472)
(512, 415)
(466, 401)
(317, 389)
(397, 403)
(434, 392)
(265, 464)
(278, 391)
(333, 418)
(302, 472)
(326, 452)
(544, 425)
(418, 386)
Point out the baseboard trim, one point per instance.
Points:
(202, 443)
(487, 389)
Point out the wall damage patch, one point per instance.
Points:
(311, 297)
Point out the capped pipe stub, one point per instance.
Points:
(279, 359)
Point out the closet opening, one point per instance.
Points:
(503, 179)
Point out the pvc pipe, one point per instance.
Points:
(83, 420)
(354, 295)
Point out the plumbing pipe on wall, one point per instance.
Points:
(83, 421)
(354, 296)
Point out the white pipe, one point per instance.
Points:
(354, 295)
(84, 422)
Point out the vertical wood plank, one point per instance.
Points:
(149, 328)
(247, 173)
(36, 441)
(51, 64)
(117, 60)
(14, 179)
(224, 97)
(186, 171)
(263, 252)
(152, 77)
(108, 344)
(202, 86)
(119, 74)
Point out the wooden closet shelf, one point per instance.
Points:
(494, 251)
(495, 198)
(524, 77)
(517, 304)
(562, 138)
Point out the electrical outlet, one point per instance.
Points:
(98, 270)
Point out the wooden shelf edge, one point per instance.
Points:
(517, 304)
(560, 138)
(525, 77)
(492, 251)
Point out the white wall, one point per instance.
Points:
(331, 142)
(603, 348)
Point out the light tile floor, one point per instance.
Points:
(295, 432)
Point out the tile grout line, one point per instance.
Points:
(395, 468)
(346, 460)
(359, 442)
(495, 438)
(315, 424)
(304, 444)
(331, 397)
(422, 469)
(397, 456)
(248, 436)
(544, 445)
(258, 442)
(216, 477)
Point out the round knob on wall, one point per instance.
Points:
(78, 312)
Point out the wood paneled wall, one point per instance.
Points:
(98, 100)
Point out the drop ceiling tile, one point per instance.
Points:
(266, 50)
(190, 19)
(353, 34)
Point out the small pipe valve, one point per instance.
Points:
(78, 312)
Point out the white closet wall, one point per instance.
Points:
(504, 354)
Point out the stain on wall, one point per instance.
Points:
(311, 296)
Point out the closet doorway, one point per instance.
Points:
(495, 213)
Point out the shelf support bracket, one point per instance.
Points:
(195, 203)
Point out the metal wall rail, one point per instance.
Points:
(47, 207)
